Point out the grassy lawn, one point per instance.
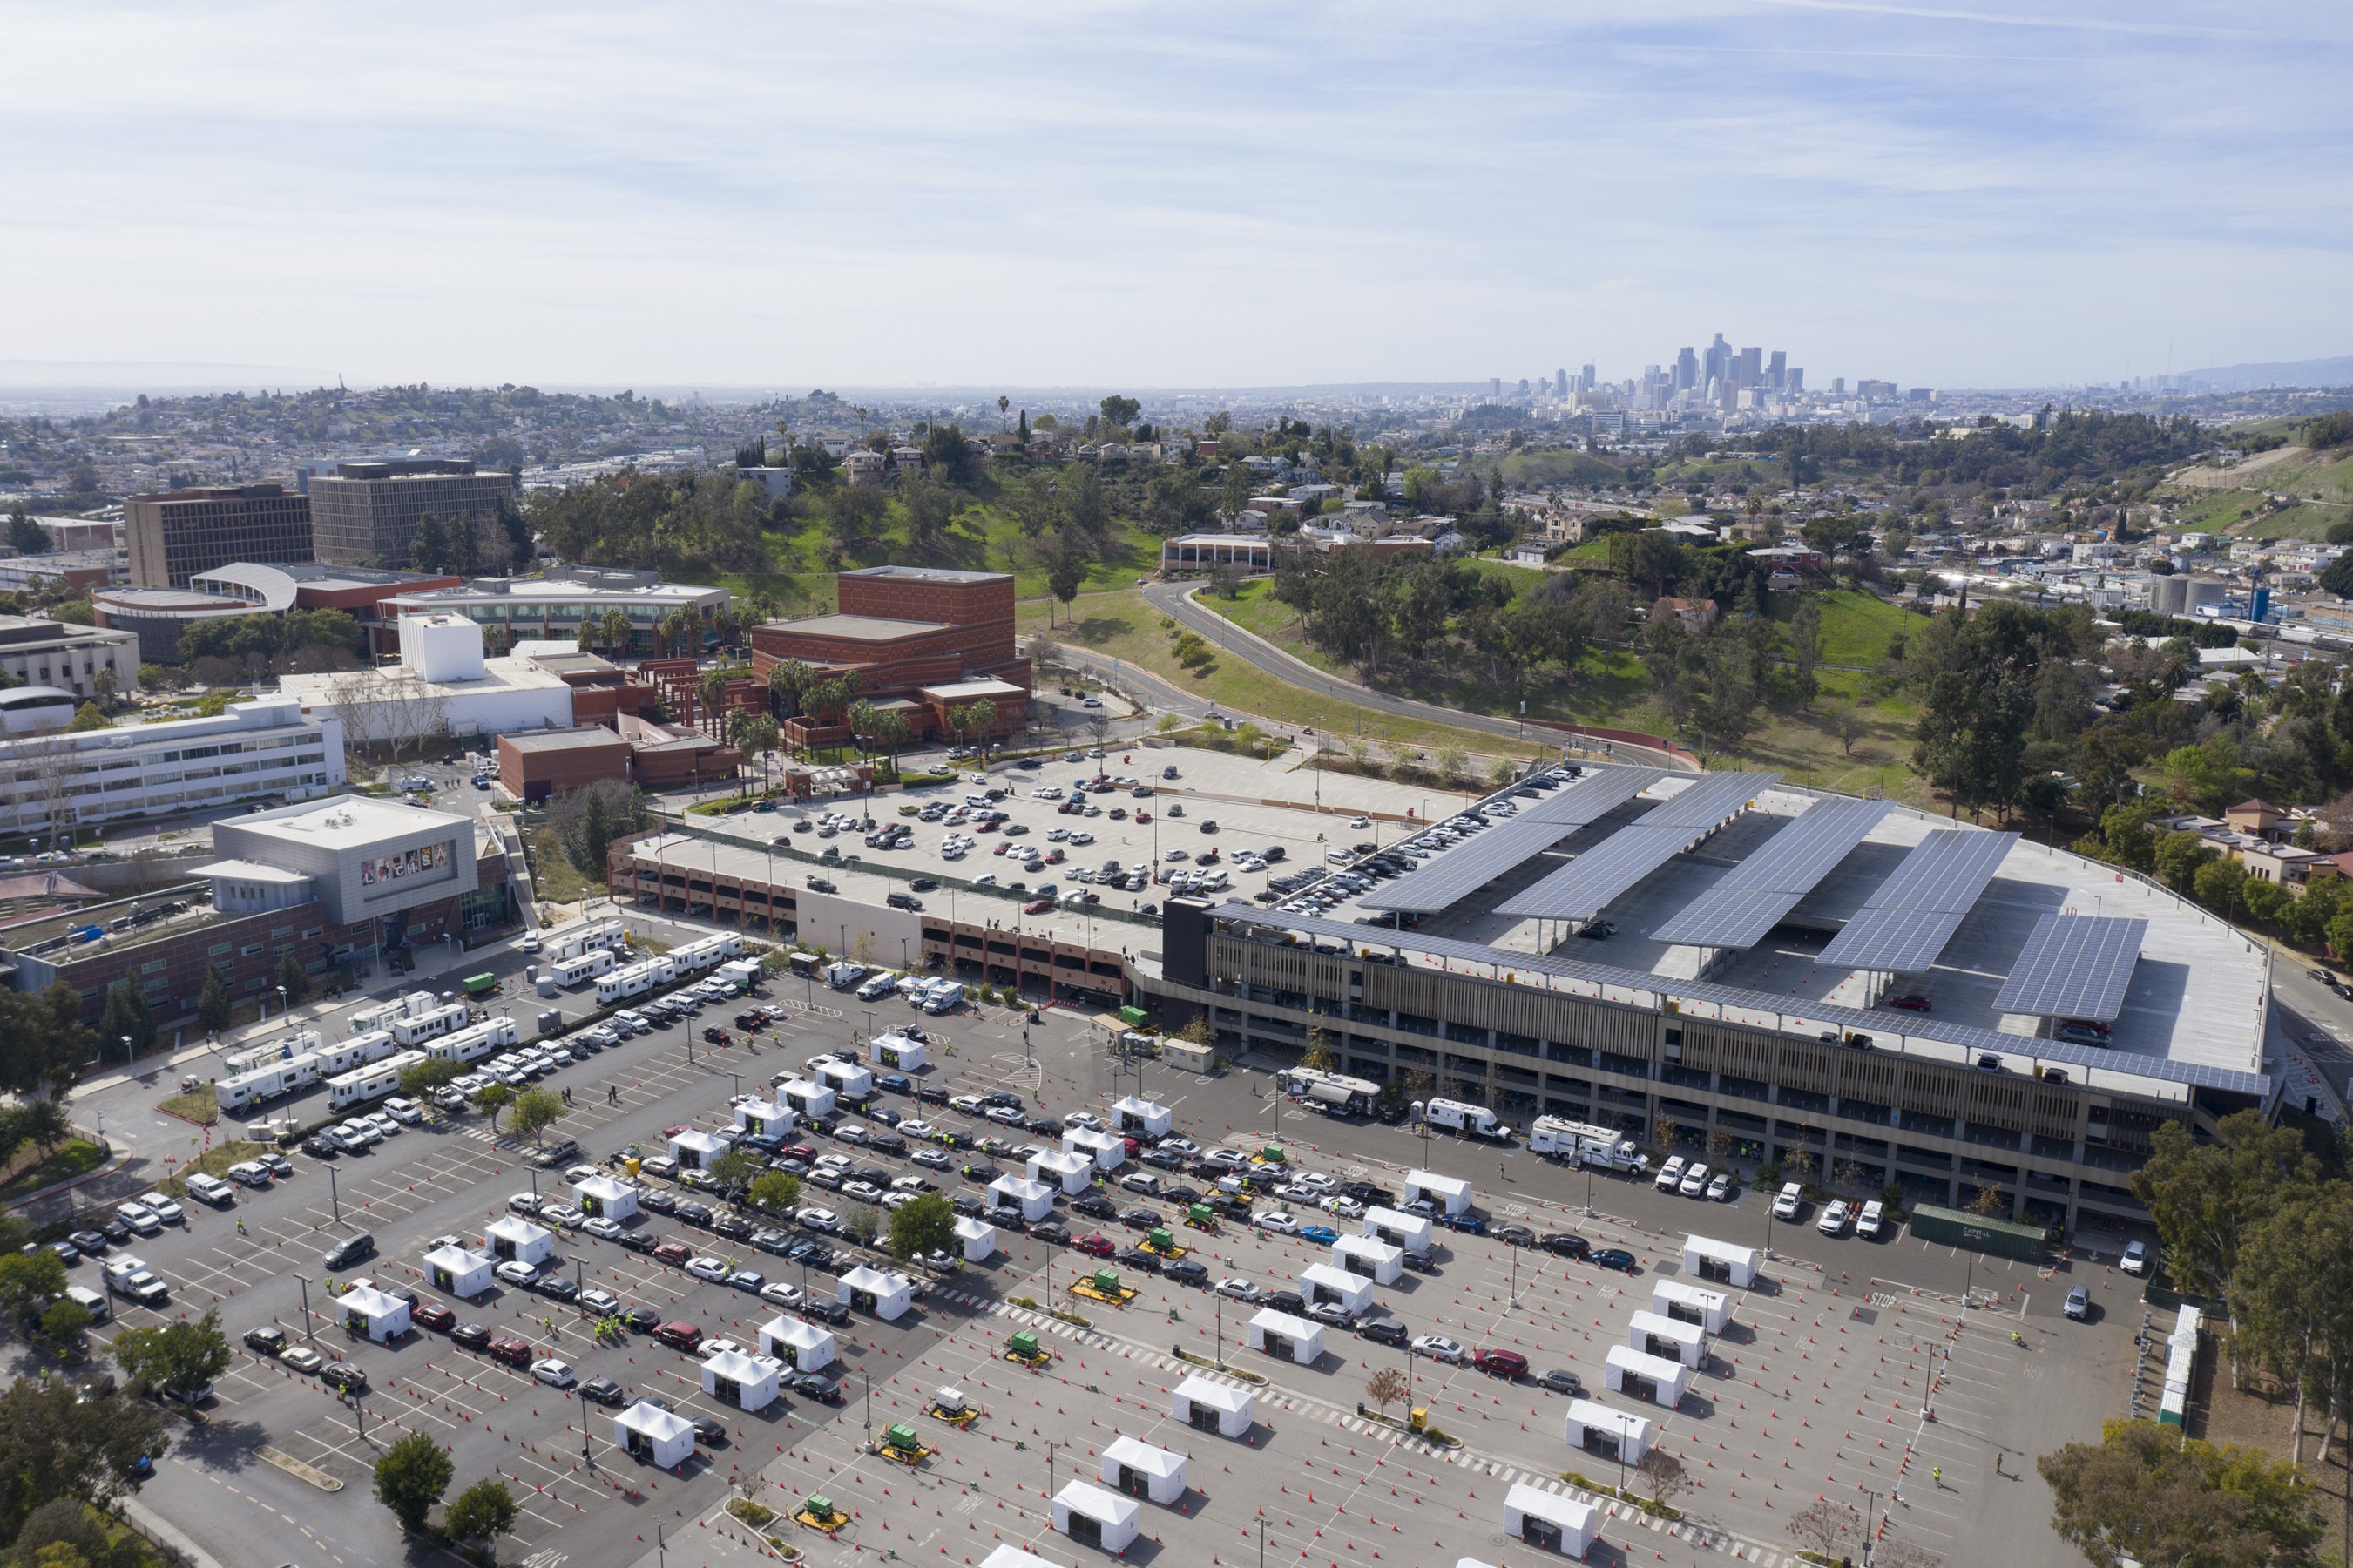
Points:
(1120, 623)
(198, 1105)
(1856, 626)
(73, 1158)
(214, 1162)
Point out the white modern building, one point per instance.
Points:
(36, 651)
(443, 685)
(263, 750)
(555, 607)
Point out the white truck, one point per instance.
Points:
(1585, 1144)
(841, 974)
(1334, 1093)
(1460, 1116)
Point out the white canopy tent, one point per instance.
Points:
(1369, 1257)
(382, 1318)
(1448, 1192)
(734, 1378)
(603, 1196)
(1280, 1334)
(656, 1435)
(886, 1296)
(1410, 1231)
(1545, 1522)
(1034, 1199)
(976, 1238)
(801, 1345)
(1710, 1310)
(1142, 1118)
(1067, 1169)
(1106, 1149)
(896, 1052)
(1094, 1517)
(695, 1150)
(1210, 1406)
(514, 1239)
(1014, 1557)
(459, 1272)
(1612, 1433)
(764, 1117)
(1719, 1261)
(846, 1079)
(1642, 1377)
(1668, 1338)
(1139, 1469)
(1321, 1282)
(809, 1099)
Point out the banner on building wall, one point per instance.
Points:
(378, 868)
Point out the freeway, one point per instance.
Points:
(1175, 599)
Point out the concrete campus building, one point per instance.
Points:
(553, 607)
(176, 535)
(265, 750)
(365, 512)
(36, 651)
(344, 879)
(240, 588)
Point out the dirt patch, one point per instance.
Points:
(2262, 1417)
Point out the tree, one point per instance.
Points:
(43, 1041)
(126, 1013)
(1119, 412)
(411, 1478)
(214, 1009)
(60, 1445)
(537, 1110)
(27, 1280)
(1386, 1387)
(734, 1171)
(2294, 1295)
(924, 1226)
(482, 1512)
(1666, 1474)
(87, 717)
(1068, 570)
(1826, 1526)
(1318, 1057)
(177, 1356)
(293, 979)
(1805, 649)
(2338, 577)
(26, 536)
(493, 1098)
(2207, 1197)
(63, 1324)
(776, 1192)
(419, 1079)
(859, 1222)
(2146, 1493)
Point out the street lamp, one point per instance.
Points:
(1870, 1504)
(587, 1455)
(130, 1056)
(868, 1379)
(333, 1196)
(308, 1331)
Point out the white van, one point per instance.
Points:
(210, 1190)
(91, 1301)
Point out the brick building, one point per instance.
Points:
(917, 639)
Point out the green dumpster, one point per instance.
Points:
(2001, 1237)
(1131, 1016)
(818, 1506)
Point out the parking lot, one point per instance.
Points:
(1829, 1358)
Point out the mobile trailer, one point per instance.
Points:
(1460, 1116)
(240, 1090)
(371, 1082)
(475, 1041)
(416, 1030)
(581, 968)
(1585, 1144)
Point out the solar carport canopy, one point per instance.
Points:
(2074, 967)
(1752, 898)
(1902, 928)
(1589, 884)
(1453, 875)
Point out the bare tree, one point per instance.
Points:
(1385, 1388)
(1902, 1551)
(1826, 1526)
(56, 780)
(1666, 1474)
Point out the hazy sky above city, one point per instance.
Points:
(1991, 195)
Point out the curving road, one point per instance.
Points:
(1175, 599)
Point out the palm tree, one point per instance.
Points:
(617, 633)
(789, 681)
(861, 717)
(712, 690)
(1003, 403)
(892, 731)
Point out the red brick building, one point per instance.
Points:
(919, 639)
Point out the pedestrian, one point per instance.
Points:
(1936, 1474)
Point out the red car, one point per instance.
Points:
(1911, 1002)
(801, 1152)
(432, 1315)
(679, 1336)
(671, 1253)
(1002, 846)
(512, 1351)
(1037, 906)
(1500, 1363)
(1095, 1245)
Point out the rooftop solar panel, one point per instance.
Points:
(1753, 897)
(1587, 885)
(2164, 1069)
(2074, 967)
(1903, 927)
(1453, 875)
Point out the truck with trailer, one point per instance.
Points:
(1585, 1144)
(1334, 1094)
(1460, 1116)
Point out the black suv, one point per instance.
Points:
(350, 1250)
(1382, 1331)
(1094, 1205)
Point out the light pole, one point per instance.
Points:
(586, 1456)
(1049, 1471)
(310, 1332)
(130, 1056)
(333, 1196)
(1262, 1541)
(1870, 1504)
(284, 1010)
(868, 1380)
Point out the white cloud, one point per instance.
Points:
(997, 194)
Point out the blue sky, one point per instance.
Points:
(1032, 195)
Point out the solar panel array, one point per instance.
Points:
(2074, 967)
(1453, 875)
(1589, 884)
(1753, 897)
(1902, 928)
(2164, 1069)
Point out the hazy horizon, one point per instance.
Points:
(989, 197)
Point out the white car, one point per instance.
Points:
(1006, 1114)
(1438, 1347)
(780, 1294)
(1275, 1220)
(1834, 1218)
(709, 1268)
(1784, 1206)
(1346, 1208)
(404, 1111)
(563, 1215)
(1670, 1173)
(1720, 1188)
(1694, 1182)
(2135, 1258)
(609, 1229)
(554, 1373)
(915, 1132)
(970, 1104)
(601, 1302)
(1239, 1289)
(165, 1209)
(1315, 1181)
(516, 1274)
(530, 944)
(139, 1217)
(1871, 1219)
(817, 1219)
(1086, 1119)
